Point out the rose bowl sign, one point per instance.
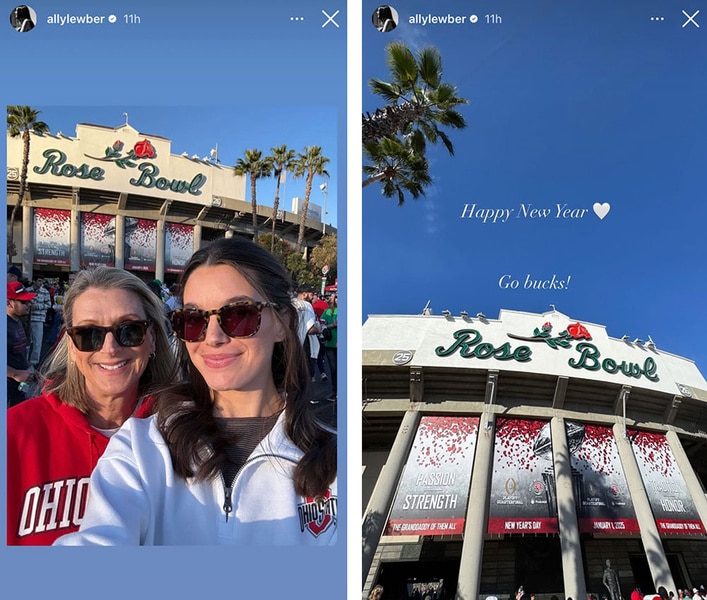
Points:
(469, 343)
(55, 163)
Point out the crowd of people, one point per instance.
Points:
(318, 334)
(34, 319)
(663, 594)
(636, 594)
(135, 440)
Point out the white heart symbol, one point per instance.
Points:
(601, 210)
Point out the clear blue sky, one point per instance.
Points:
(240, 74)
(570, 103)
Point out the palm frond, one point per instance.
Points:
(430, 65)
(402, 64)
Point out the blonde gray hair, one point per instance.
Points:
(63, 377)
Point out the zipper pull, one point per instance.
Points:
(227, 506)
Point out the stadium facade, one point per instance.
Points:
(116, 183)
(528, 450)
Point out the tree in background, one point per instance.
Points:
(301, 270)
(325, 254)
(398, 167)
(282, 160)
(256, 167)
(278, 247)
(418, 105)
(21, 121)
(309, 163)
(418, 102)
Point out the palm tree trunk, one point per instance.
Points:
(255, 207)
(275, 206)
(373, 179)
(11, 250)
(305, 206)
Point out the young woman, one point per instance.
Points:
(114, 351)
(234, 456)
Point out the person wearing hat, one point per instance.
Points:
(18, 299)
(13, 274)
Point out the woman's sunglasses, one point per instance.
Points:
(89, 338)
(237, 320)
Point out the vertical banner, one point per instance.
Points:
(140, 244)
(434, 487)
(97, 240)
(52, 236)
(673, 508)
(601, 493)
(523, 484)
(179, 246)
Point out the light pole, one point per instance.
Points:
(325, 190)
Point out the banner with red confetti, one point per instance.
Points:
(140, 244)
(97, 240)
(52, 236)
(434, 487)
(673, 508)
(179, 246)
(523, 483)
(601, 493)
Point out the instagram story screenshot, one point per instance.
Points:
(534, 402)
(176, 251)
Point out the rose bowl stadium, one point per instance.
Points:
(529, 450)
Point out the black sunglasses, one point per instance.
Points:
(237, 320)
(89, 338)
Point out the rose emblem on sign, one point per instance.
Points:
(144, 149)
(578, 331)
(141, 150)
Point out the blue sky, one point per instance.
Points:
(574, 104)
(240, 74)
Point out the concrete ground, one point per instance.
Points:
(320, 391)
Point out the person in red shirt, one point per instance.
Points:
(115, 351)
(319, 305)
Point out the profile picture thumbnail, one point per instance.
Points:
(385, 18)
(23, 18)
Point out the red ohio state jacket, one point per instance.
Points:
(51, 451)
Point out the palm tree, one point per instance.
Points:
(282, 160)
(257, 167)
(398, 167)
(21, 120)
(418, 101)
(311, 162)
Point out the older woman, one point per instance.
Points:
(114, 352)
(234, 456)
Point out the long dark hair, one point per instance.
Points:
(185, 412)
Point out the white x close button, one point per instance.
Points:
(691, 19)
(330, 18)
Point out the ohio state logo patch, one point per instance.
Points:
(316, 515)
